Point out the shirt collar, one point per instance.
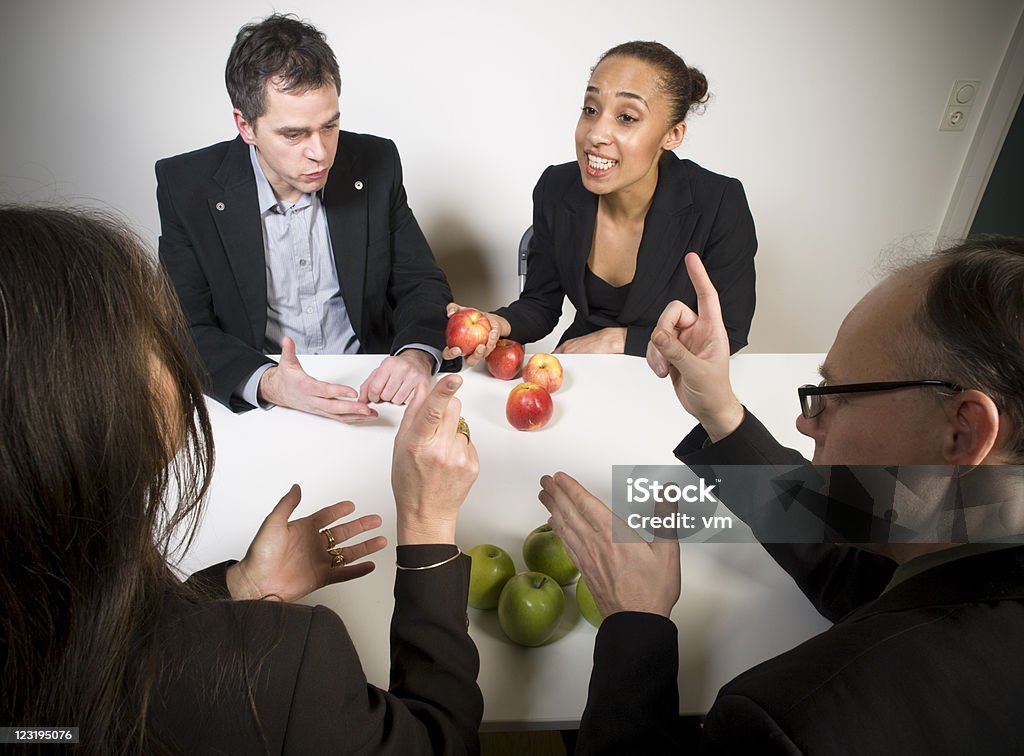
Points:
(265, 192)
(924, 562)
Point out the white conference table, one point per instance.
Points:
(738, 607)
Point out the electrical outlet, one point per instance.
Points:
(961, 98)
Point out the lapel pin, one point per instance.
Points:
(358, 185)
(219, 206)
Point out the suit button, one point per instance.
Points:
(219, 206)
(358, 185)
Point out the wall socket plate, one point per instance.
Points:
(962, 97)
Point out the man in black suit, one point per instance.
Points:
(275, 246)
(924, 656)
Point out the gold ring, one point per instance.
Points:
(330, 538)
(463, 428)
(337, 558)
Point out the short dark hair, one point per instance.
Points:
(290, 53)
(972, 321)
(89, 506)
(684, 85)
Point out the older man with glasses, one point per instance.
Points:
(924, 656)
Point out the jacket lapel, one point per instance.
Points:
(573, 239)
(345, 202)
(236, 213)
(670, 223)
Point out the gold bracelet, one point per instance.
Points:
(452, 558)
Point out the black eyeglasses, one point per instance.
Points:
(812, 405)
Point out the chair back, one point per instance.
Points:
(524, 252)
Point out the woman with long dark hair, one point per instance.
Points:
(105, 458)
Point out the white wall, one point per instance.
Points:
(827, 111)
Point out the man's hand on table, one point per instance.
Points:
(693, 350)
(623, 577)
(397, 377)
(289, 560)
(288, 385)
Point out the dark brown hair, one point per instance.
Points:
(291, 54)
(972, 320)
(684, 86)
(97, 390)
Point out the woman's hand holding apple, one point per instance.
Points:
(500, 328)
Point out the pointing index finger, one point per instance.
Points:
(432, 413)
(707, 295)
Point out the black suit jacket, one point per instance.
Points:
(211, 244)
(251, 677)
(932, 666)
(693, 210)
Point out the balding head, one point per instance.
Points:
(954, 319)
(969, 326)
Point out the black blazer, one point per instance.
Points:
(211, 244)
(933, 666)
(693, 210)
(307, 693)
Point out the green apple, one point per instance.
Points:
(585, 601)
(543, 552)
(530, 607)
(490, 570)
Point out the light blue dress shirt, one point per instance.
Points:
(303, 296)
(304, 299)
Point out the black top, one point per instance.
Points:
(602, 297)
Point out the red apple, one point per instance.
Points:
(506, 359)
(467, 329)
(529, 407)
(545, 370)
